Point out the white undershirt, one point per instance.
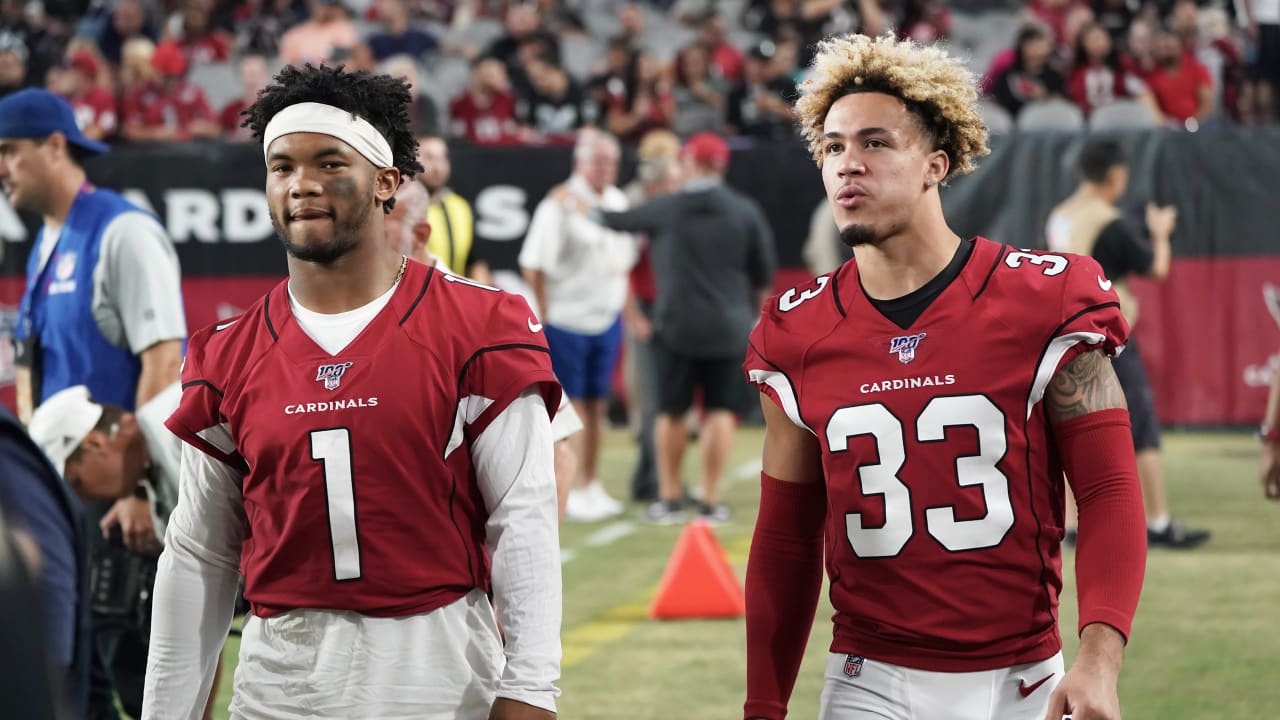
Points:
(199, 573)
(335, 332)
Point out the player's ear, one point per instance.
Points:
(385, 184)
(936, 168)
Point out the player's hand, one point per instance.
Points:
(508, 709)
(1271, 469)
(1088, 690)
(137, 527)
(1161, 220)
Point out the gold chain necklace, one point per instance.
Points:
(404, 262)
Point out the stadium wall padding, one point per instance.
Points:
(1210, 333)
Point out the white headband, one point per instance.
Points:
(328, 120)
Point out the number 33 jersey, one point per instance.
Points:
(945, 498)
(358, 484)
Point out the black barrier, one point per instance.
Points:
(210, 195)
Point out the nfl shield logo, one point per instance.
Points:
(66, 266)
(905, 347)
(853, 665)
(332, 375)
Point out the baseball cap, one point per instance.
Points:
(707, 148)
(85, 62)
(35, 113)
(62, 422)
(169, 59)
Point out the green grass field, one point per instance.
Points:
(1205, 646)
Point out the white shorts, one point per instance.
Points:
(857, 688)
(325, 664)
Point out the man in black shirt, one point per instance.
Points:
(1089, 223)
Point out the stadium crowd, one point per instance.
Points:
(505, 72)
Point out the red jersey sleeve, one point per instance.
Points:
(1090, 317)
(199, 420)
(510, 356)
(788, 324)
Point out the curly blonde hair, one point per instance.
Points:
(936, 88)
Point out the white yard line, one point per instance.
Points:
(606, 535)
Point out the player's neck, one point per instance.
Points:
(352, 281)
(902, 264)
(63, 195)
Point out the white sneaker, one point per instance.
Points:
(582, 507)
(603, 501)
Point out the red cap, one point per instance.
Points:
(85, 62)
(168, 59)
(707, 148)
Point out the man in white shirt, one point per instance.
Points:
(579, 274)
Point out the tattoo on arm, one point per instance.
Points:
(1085, 385)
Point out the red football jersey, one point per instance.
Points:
(359, 486)
(945, 498)
(491, 124)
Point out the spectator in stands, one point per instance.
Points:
(41, 49)
(699, 94)
(397, 37)
(450, 217)
(1056, 15)
(424, 117)
(1090, 223)
(1099, 78)
(1139, 55)
(1032, 76)
(1270, 436)
(261, 23)
(13, 67)
(128, 21)
(924, 21)
(167, 108)
(578, 273)
(657, 173)
(713, 261)
(524, 35)
(254, 75)
(646, 103)
(192, 28)
(135, 65)
(485, 113)
(725, 59)
(1115, 16)
(94, 105)
(610, 78)
(1181, 84)
(556, 107)
(758, 106)
(353, 58)
(314, 40)
(1204, 36)
(561, 19)
(1262, 21)
(813, 19)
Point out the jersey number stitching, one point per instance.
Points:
(881, 478)
(788, 300)
(332, 447)
(1056, 263)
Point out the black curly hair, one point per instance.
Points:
(381, 99)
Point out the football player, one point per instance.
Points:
(922, 403)
(370, 445)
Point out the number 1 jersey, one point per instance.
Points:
(945, 497)
(358, 484)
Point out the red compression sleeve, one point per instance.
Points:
(784, 577)
(1111, 552)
